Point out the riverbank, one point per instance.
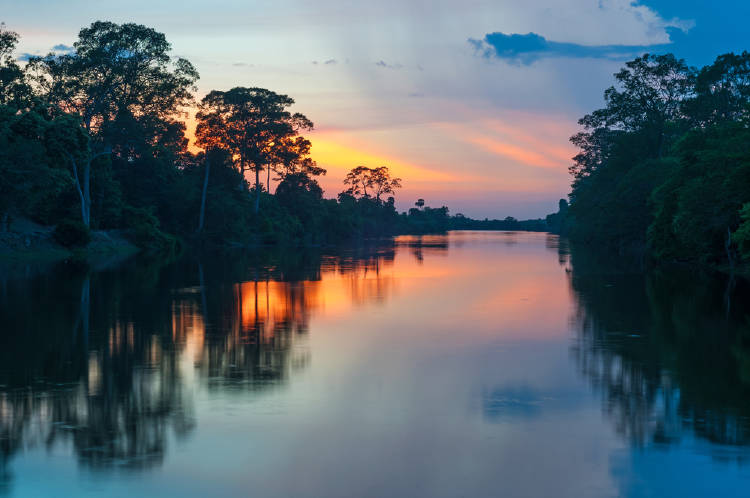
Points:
(27, 244)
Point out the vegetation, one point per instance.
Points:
(94, 139)
(664, 168)
(71, 233)
(461, 222)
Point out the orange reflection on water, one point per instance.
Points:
(267, 306)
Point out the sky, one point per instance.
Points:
(470, 102)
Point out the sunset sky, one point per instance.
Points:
(470, 102)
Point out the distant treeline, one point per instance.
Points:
(94, 138)
(460, 222)
(664, 168)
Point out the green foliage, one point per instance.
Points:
(664, 168)
(72, 233)
(15, 90)
(697, 207)
(255, 127)
(145, 232)
(101, 139)
(742, 236)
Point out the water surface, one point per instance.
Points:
(471, 364)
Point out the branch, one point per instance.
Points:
(106, 151)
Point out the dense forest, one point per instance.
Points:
(663, 170)
(94, 138)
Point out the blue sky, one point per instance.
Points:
(470, 102)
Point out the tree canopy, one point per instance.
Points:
(96, 136)
(256, 127)
(664, 168)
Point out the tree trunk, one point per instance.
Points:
(87, 194)
(268, 179)
(203, 197)
(84, 191)
(257, 189)
(81, 195)
(728, 249)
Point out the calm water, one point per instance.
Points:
(472, 364)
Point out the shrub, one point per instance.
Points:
(742, 236)
(145, 231)
(71, 233)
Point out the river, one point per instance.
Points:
(467, 364)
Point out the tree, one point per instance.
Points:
(302, 197)
(30, 174)
(293, 158)
(358, 180)
(742, 236)
(73, 143)
(378, 180)
(722, 91)
(254, 125)
(202, 215)
(125, 90)
(15, 92)
(420, 204)
(651, 93)
(382, 183)
(622, 148)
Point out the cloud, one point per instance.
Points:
(59, 49)
(242, 64)
(382, 63)
(328, 62)
(528, 48)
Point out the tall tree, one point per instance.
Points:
(294, 158)
(378, 180)
(650, 93)
(254, 125)
(722, 91)
(15, 92)
(382, 183)
(125, 89)
(358, 181)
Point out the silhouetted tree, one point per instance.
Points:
(358, 180)
(382, 183)
(293, 158)
(254, 125)
(722, 91)
(123, 86)
(15, 92)
(378, 180)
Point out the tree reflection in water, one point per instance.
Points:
(107, 361)
(667, 349)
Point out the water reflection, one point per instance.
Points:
(108, 361)
(667, 351)
(448, 358)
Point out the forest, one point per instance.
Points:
(663, 169)
(94, 139)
